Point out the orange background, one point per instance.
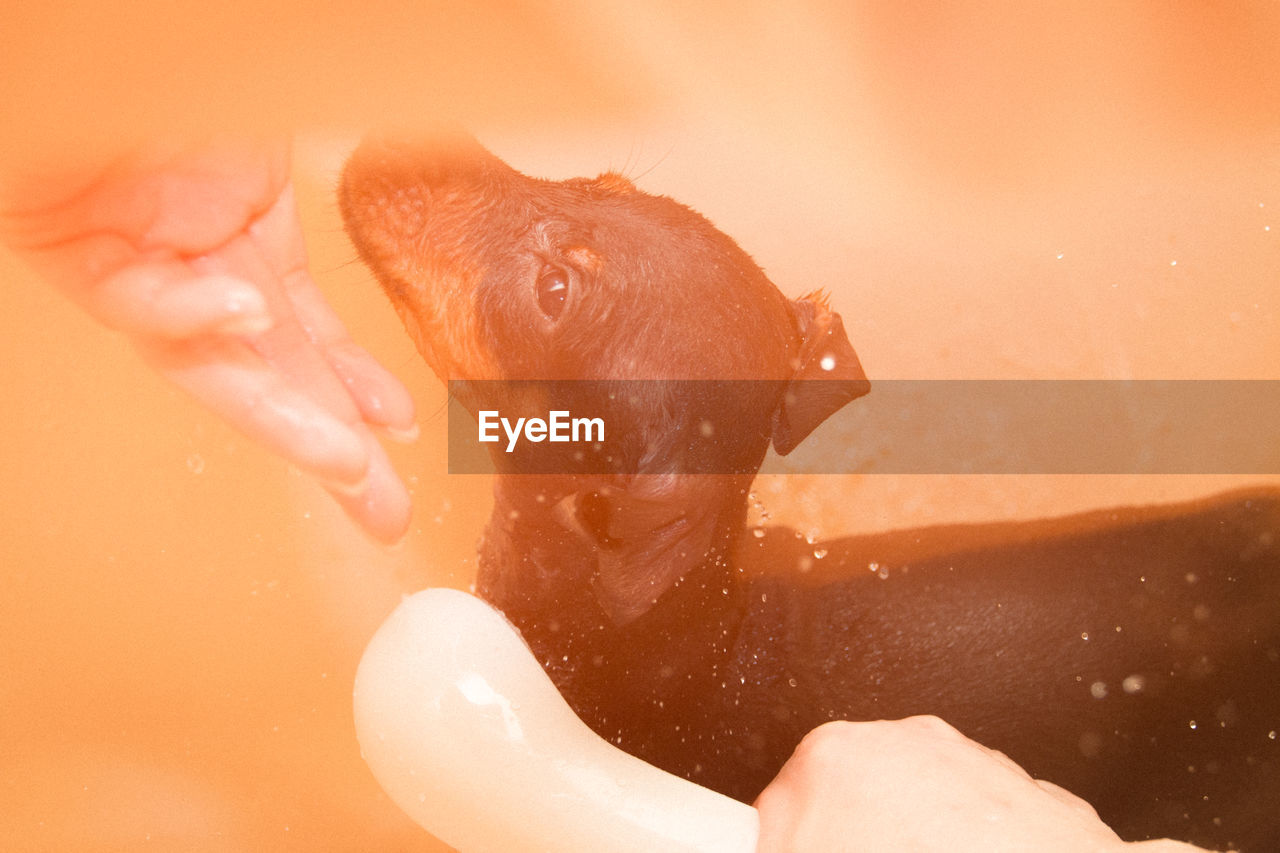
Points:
(987, 190)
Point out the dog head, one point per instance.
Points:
(499, 276)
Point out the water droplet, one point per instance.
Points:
(812, 535)
(1084, 635)
(1060, 254)
(819, 553)
(1192, 577)
(758, 532)
(195, 463)
(1098, 690)
(791, 682)
(706, 429)
(1193, 725)
(1133, 684)
(1271, 734)
(805, 563)
(828, 362)
(1173, 263)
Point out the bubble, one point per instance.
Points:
(828, 362)
(706, 429)
(1084, 635)
(1192, 724)
(758, 532)
(819, 553)
(1098, 690)
(1133, 684)
(195, 463)
(1090, 744)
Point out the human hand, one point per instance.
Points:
(920, 785)
(196, 253)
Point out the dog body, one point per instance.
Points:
(1131, 656)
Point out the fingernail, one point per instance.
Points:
(244, 324)
(243, 308)
(351, 490)
(402, 435)
(212, 304)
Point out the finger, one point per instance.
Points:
(381, 397)
(167, 300)
(227, 377)
(1068, 799)
(273, 252)
(380, 504)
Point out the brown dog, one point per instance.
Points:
(1132, 656)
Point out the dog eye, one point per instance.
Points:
(552, 291)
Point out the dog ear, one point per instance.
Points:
(649, 535)
(827, 374)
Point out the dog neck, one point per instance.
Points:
(536, 564)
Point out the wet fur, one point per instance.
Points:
(685, 639)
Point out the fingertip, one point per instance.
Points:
(168, 300)
(382, 399)
(385, 521)
(382, 506)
